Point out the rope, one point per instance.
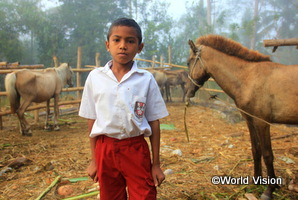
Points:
(243, 111)
(185, 126)
(240, 110)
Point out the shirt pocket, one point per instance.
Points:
(139, 107)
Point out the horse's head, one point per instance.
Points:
(69, 76)
(197, 70)
(66, 74)
(197, 73)
(190, 90)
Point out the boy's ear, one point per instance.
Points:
(107, 45)
(141, 46)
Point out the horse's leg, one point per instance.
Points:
(56, 112)
(24, 125)
(47, 127)
(255, 147)
(167, 87)
(169, 98)
(162, 90)
(265, 139)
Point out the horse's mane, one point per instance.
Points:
(231, 47)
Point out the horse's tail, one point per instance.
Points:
(13, 95)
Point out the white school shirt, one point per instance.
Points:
(121, 109)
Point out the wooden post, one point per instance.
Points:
(153, 63)
(161, 61)
(55, 59)
(1, 122)
(79, 63)
(97, 59)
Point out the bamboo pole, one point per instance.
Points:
(72, 89)
(55, 60)
(1, 122)
(153, 61)
(9, 68)
(3, 63)
(57, 179)
(43, 105)
(14, 64)
(161, 61)
(83, 196)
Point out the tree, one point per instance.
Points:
(10, 44)
(156, 30)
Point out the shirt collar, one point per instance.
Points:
(133, 69)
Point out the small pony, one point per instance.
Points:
(264, 91)
(36, 86)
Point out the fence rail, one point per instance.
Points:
(6, 68)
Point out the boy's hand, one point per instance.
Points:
(158, 175)
(92, 171)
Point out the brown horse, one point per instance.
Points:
(167, 78)
(36, 86)
(266, 92)
(161, 79)
(174, 78)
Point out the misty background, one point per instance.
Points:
(33, 31)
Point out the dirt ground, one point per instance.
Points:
(216, 147)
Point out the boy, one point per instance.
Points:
(123, 104)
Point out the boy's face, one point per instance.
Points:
(123, 44)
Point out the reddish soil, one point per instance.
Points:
(216, 147)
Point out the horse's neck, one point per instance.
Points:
(227, 71)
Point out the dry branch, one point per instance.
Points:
(284, 136)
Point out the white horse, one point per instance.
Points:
(36, 86)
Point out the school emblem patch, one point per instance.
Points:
(139, 109)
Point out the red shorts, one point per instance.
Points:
(124, 166)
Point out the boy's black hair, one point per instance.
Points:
(126, 22)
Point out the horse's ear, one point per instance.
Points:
(193, 46)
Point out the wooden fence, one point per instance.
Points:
(6, 68)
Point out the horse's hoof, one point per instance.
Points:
(265, 197)
(56, 129)
(47, 128)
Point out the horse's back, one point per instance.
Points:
(36, 86)
(159, 76)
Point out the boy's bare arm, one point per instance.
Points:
(158, 175)
(92, 170)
